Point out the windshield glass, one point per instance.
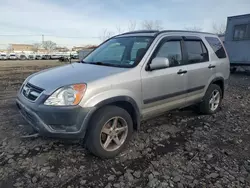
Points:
(3, 55)
(121, 52)
(12, 55)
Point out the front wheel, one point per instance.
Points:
(109, 131)
(212, 100)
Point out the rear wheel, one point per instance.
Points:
(109, 131)
(212, 100)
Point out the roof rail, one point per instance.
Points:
(141, 31)
(165, 31)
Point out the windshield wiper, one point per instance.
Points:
(104, 64)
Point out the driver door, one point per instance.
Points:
(165, 89)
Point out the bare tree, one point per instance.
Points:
(36, 46)
(219, 29)
(194, 28)
(49, 45)
(119, 30)
(151, 25)
(106, 35)
(131, 25)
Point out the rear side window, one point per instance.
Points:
(217, 47)
(196, 51)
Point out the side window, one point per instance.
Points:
(241, 32)
(217, 47)
(172, 51)
(196, 52)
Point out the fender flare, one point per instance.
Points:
(128, 99)
(219, 79)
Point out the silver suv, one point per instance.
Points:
(128, 78)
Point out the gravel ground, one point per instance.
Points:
(178, 149)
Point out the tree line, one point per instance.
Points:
(218, 29)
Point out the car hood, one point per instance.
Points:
(54, 78)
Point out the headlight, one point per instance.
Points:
(67, 96)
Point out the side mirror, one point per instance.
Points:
(159, 63)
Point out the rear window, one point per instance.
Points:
(217, 47)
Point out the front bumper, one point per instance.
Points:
(51, 121)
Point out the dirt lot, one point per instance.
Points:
(178, 149)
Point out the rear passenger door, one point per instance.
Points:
(199, 69)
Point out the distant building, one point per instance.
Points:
(21, 48)
(61, 49)
(42, 51)
(78, 48)
(237, 39)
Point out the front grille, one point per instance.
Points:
(31, 92)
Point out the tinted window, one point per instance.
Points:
(217, 47)
(136, 47)
(196, 51)
(241, 32)
(113, 52)
(121, 51)
(172, 51)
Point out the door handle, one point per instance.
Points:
(211, 66)
(182, 72)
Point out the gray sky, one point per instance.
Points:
(78, 22)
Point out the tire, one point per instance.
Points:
(233, 70)
(94, 135)
(205, 107)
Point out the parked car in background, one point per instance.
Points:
(3, 56)
(130, 77)
(31, 57)
(54, 56)
(75, 56)
(23, 57)
(12, 56)
(38, 57)
(45, 57)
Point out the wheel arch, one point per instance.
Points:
(126, 103)
(220, 82)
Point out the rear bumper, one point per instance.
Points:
(61, 122)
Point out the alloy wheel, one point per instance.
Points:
(214, 100)
(113, 134)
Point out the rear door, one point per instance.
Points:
(200, 69)
(220, 56)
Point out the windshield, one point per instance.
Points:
(12, 55)
(121, 52)
(3, 55)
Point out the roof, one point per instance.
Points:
(239, 16)
(157, 32)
